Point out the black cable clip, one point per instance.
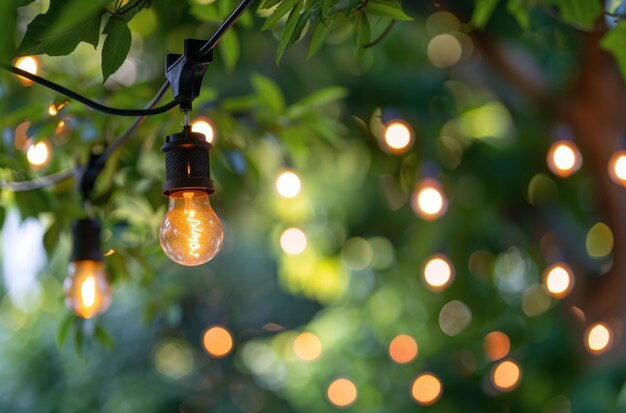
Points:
(88, 175)
(185, 72)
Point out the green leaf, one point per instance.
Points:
(43, 37)
(581, 13)
(268, 4)
(51, 237)
(483, 9)
(116, 46)
(75, 12)
(229, 49)
(362, 33)
(387, 8)
(103, 337)
(64, 329)
(520, 9)
(319, 37)
(205, 12)
(289, 32)
(284, 8)
(614, 41)
(316, 100)
(269, 92)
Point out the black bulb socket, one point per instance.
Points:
(187, 166)
(86, 246)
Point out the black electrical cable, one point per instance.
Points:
(226, 24)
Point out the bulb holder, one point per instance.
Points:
(187, 166)
(86, 240)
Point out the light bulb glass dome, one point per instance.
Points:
(191, 233)
(87, 290)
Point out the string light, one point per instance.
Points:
(506, 375)
(617, 168)
(438, 272)
(564, 158)
(428, 200)
(29, 64)
(397, 137)
(497, 345)
(426, 389)
(52, 110)
(288, 184)
(293, 241)
(598, 338)
(38, 153)
(217, 341)
(403, 349)
(204, 127)
(307, 346)
(558, 279)
(342, 392)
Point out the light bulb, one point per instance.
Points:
(28, 64)
(564, 158)
(398, 137)
(87, 291)
(428, 200)
(617, 168)
(191, 233)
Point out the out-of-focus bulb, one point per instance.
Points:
(559, 279)
(288, 184)
(428, 200)
(87, 291)
(617, 168)
(398, 137)
(191, 233)
(564, 158)
(204, 127)
(28, 64)
(38, 153)
(438, 272)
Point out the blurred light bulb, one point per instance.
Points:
(217, 341)
(506, 375)
(426, 389)
(191, 233)
(403, 349)
(52, 110)
(293, 241)
(38, 153)
(342, 392)
(617, 168)
(398, 137)
(87, 291)
(288, 184)
(428, 200)
(204, 127)
(497, 345)
(438, 272)
(598, 338)
(28, 64)
(564, 158)
(307, 346)
(558, 279)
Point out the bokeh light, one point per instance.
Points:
(38, 153)
(438, 272)
(52, 110)
(454, 317)
(558, 279)
(444, 50)
(506, 375)
(173, 359)
(293, 241)
(428, 201)
(564, 158)
(397, 137)
(205, 127)
(28, 64)
(598, 338)
(599, 241)
(342, 392)
(307, 346)
(288, 184)
(497, 345)
(217, 341)
(426, 389)
(403, 349)
(535, 300)
(617, 168)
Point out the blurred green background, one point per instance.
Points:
(485, 88)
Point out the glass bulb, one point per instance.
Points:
(87, 291)
(191, 233)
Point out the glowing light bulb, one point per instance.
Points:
(218, 341)
(52, 110)
(598, 338)
(497, 345)
(293, 241)
(506, 375)
(403, 349)
(307, 346)
(28, 64)
(87, 291)
(428, 200)
(38, 153)
(617, 168)
(204, 127)
(342, 392)
(398, 137)
(564, 158)
(288, 184)
(558, 279)
(426, 389)
(191, 233)
(438, 272)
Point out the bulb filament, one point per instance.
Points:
(194, 227)
(88, 291)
